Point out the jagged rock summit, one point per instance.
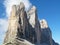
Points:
(43, 23)
(25, 29)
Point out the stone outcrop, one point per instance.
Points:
(12, 28)
(33, 20)
(25, 29)
(46, 36)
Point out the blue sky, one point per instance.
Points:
(46, 9)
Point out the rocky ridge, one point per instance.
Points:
(25, 29)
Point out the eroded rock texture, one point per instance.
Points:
(25, 29)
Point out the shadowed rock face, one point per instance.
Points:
(27, 31)
(46, 34)
(33, 20)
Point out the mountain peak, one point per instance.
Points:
(22, 5)
(27, 31)
(43, 23)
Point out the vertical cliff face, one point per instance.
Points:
(33, 20)
(25, 29)
(12, 28)
(46, 36)
(21, 22)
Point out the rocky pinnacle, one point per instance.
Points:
(25, 29)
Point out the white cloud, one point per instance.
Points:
(3, 24)
(1, 38)
(8, 4)
(3, 29)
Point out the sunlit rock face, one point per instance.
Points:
(12, 28)
(25, 29)
(43, 23)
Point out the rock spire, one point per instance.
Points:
(25, 29)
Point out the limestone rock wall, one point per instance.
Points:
(25, 29)
(12, 28)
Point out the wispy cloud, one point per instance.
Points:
(3, 29)
(3, 24)
(9, 3)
